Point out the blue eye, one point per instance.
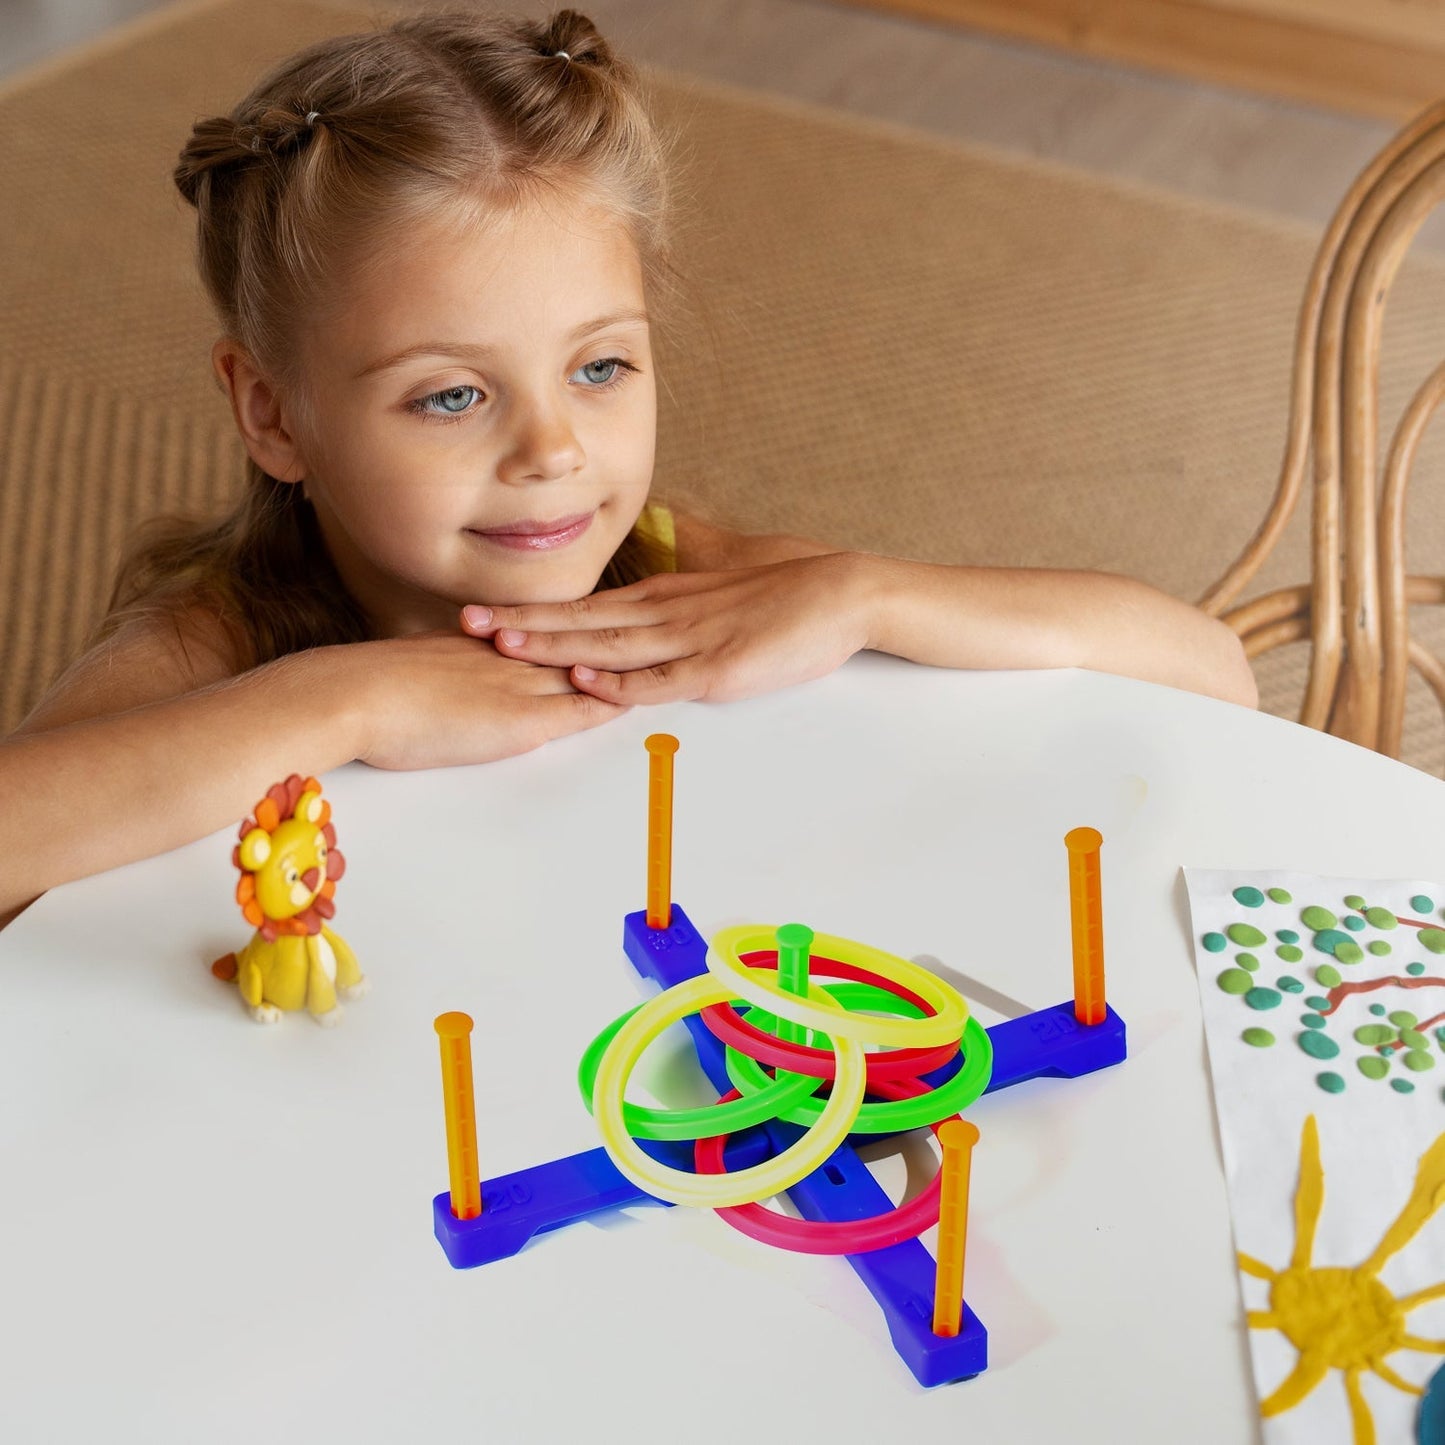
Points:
(608, 371)
(451, 402)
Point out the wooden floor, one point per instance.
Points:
(1270, 156)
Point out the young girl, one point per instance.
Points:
(436, 252)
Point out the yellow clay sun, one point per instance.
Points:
(1340, 1318)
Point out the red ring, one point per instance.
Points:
(888, 1064)
(813, 1236)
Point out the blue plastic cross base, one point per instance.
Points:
(546, 1196)
(900, 1276)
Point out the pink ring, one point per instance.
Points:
(810, 1236)
(888, 1064)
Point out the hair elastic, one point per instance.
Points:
(560, 55)
(311, 116)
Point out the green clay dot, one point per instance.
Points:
(1258, 1038)
(1330, 1083)
(1312, 1021)
(1280, 895)
(1246, 935)
(1288, 984)
(1287, 935)
(1262, 998)
(1353, 900)
(1349, 952)
(1289, 953)
(1404, 1019)
(1247, 960)
(1316, 919)
(1372, 1066)
(1418, 1060)
(1373, 1034)
(1329, 939)
(1318, 1046)
(1440, 1037)
(1414, 1039)
(1321, 1005)
(1235, 980)
(1433, 939)
(1422, 904)
(1354, 923)
(1402, 1086)
(1215, 942)
(1248, 897)
(1382, 918)
(1378, 1009)
(1378, 947)
(1327, 974)
(1415, 968)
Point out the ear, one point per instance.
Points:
(255, 849)
(260, 415)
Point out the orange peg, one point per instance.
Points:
(454, 1030)
(660, 750)
(956, 1137)
(1086, 914)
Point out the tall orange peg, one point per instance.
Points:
(1086, 914)
(660, 750)
(454, 1030)
(956, 1137)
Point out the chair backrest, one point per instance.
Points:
(1355, 609)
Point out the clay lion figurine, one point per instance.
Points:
(289, 866)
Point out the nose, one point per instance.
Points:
(543, 446)
(311, 877)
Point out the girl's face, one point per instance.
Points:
(481, 412)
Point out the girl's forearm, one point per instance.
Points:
(984, 617)
(94, 794)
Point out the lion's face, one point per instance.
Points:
(292, 875)
(289, 861)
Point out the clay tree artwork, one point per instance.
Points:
(1324, 1011)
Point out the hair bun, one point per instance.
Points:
(573, 36)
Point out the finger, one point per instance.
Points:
(607, 649)
(671, 682)
(602, 609)
(575, 712)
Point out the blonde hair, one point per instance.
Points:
(336, 146)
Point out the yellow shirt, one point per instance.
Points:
(656, 526)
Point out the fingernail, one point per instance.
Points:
(512, 637)
(584, 674)
(477, 616)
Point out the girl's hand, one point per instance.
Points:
(718, 636)
(436, 699)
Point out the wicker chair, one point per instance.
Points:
(1355, 609)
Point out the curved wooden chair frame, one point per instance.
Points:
(1355, 608)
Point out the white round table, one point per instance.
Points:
(211, 1230)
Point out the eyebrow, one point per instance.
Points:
(473, 350)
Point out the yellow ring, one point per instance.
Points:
(717, 1191)
(819, 1012)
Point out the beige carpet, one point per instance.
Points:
(890, 342)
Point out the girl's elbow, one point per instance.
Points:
(1233, 678)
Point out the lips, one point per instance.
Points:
(530, 535)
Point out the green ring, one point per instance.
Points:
(884, 1116)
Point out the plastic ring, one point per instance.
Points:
(955, 1093)
(753, 1038)
(680, 1186)
(950, 1012)
(757, 1107)
(812, 1236)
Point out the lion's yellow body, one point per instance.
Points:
(294, 973)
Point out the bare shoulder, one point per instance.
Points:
(145, 660)
(705, 547)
